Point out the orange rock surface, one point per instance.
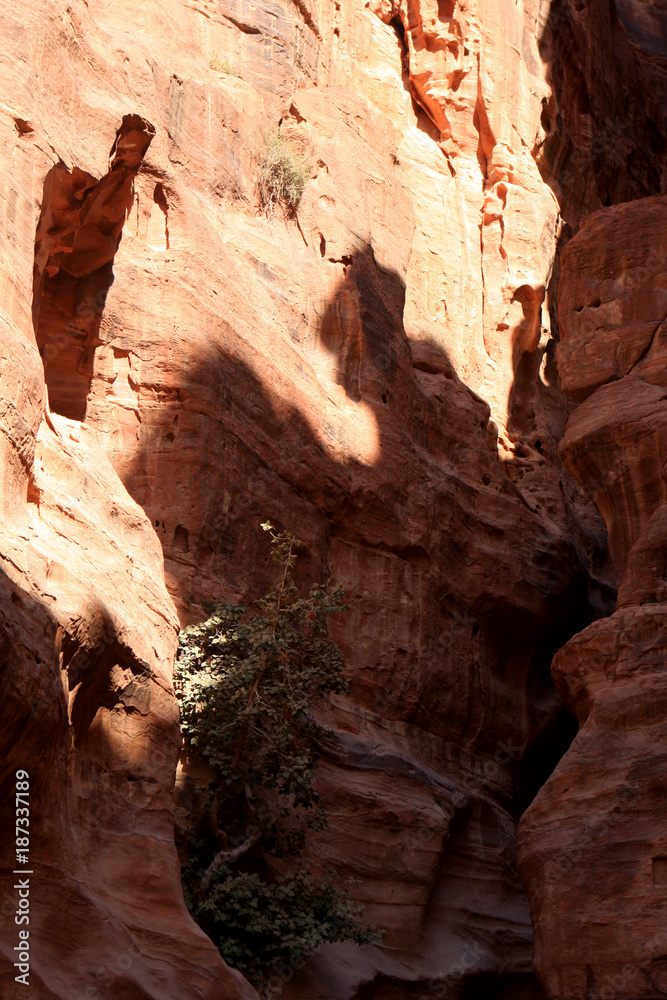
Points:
(376, 375)
(88, 634)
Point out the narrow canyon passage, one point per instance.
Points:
(443, 371)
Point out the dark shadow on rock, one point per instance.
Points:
(435, 511)
(31, 696)
(96, 798)
(471, 986)
(606, 132)
(78, 234)
(362, 328)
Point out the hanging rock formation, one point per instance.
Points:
(78, 233)
(376, 375)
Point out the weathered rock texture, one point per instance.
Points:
(594, 842)
(375, 375)
(605, 119)
(87, 635)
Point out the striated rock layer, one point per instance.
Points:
(87, 633)
(593, 846)
(375, 375)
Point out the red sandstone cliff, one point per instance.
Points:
(594, 843)
(378, 376)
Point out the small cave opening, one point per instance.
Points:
(545, 118)
(23, 127)
(446, 10)
(181, 539)
(160, 199)
(78, 234)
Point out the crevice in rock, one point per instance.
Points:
(247, 29)
(397, 24)
(23, 127)
(307, 16)
(160, 199)
(78, 235)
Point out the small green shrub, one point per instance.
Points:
(282, 177)
(246, 683)
(223, 66)
(259, 926)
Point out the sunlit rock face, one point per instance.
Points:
(376, 375)
(87, 629)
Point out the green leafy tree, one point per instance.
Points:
(246, 682)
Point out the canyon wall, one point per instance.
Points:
(593, 845)
(377, 375)
(87, 631)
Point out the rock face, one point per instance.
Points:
(594, 842)
(78, 233)
(87, 631)
(377, 375)
(605, 119)
(615, 300)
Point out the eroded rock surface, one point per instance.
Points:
(375, 375)
(594, 842)
(614, 302)
(87, 633)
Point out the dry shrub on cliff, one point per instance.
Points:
(282, 177)
(224, 66)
